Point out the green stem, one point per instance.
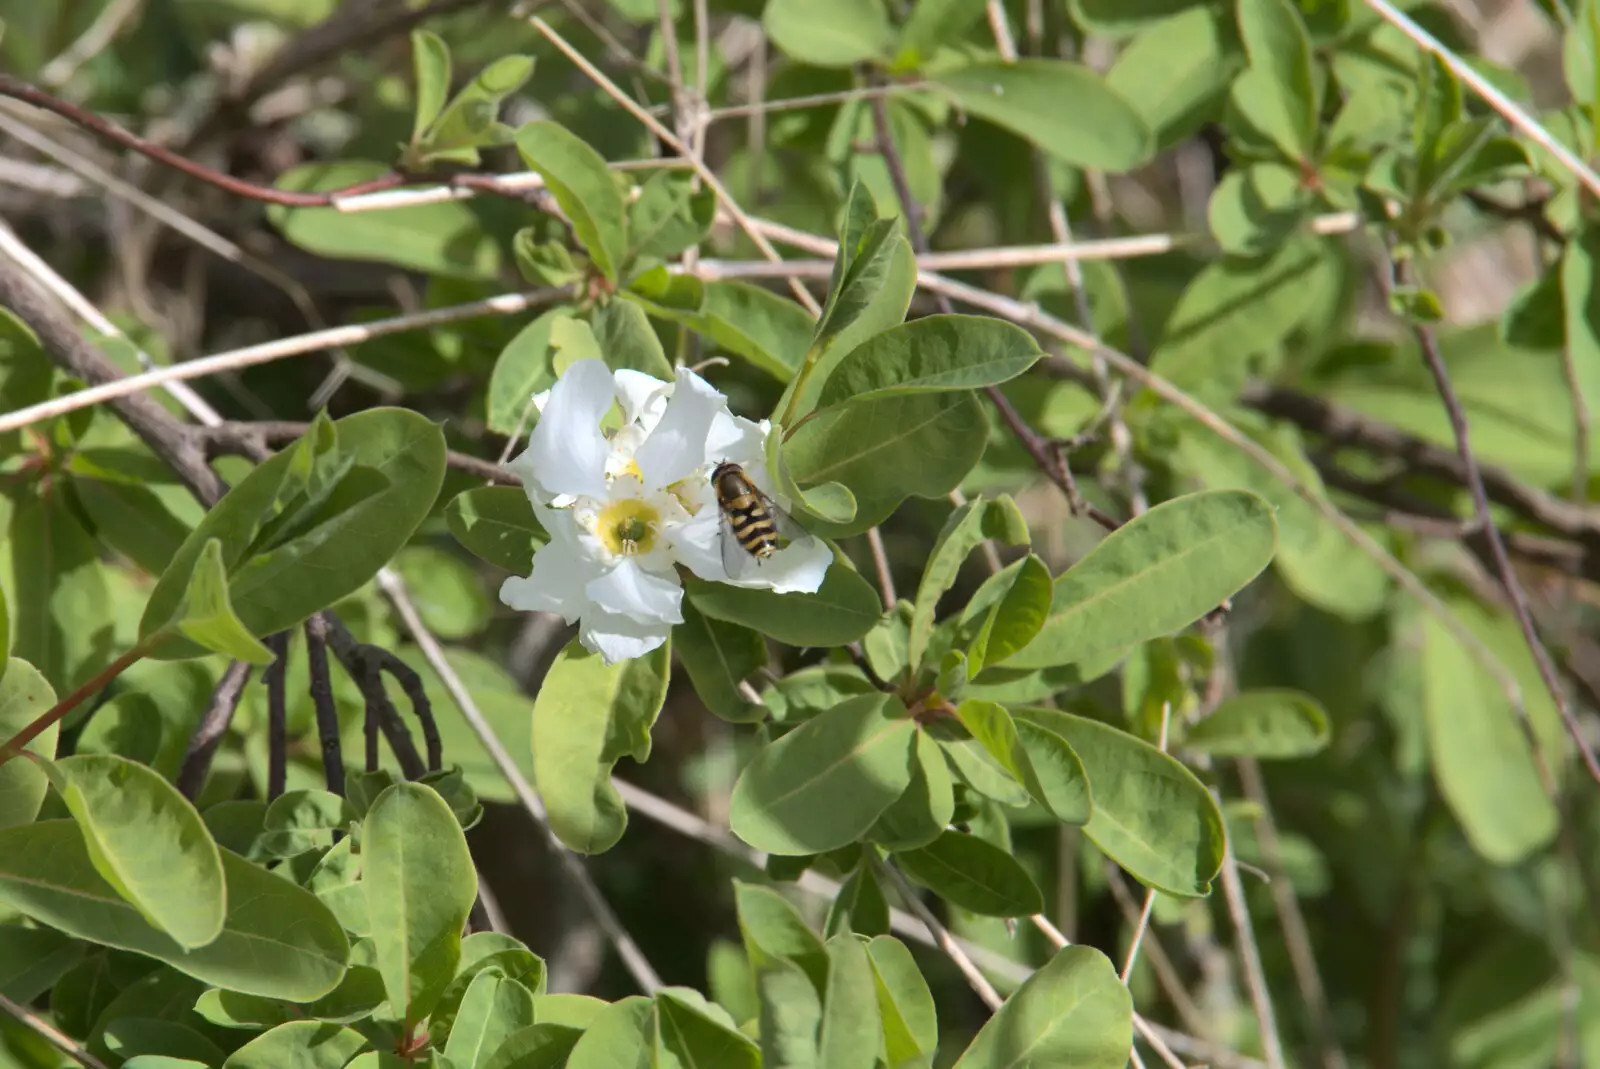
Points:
(14, 745)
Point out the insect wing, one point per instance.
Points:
(736, 560)
(788, 530)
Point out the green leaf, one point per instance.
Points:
(619, 1037)
(539, 1046)
(148, 842)
(1277, 93)
(1065, 109)
(925, 808)
(773, 930)
(624, 335)
(843, 609)
(56, 587)
(1006, 612)
(24, 697)
(207, 616)
(822, 785)
(905, 1005)
(669, 216)
(396, 465)
(1156, 574)
(851, 1029)
(934, 23)
(1479, 756)
(127, 515)
(1056, 781)
(492, 1009)
(298, 821)
(965, 528)
(770, 331)
(302, 1044)
(582, 185)
(485, 952)
(430, 58)
(938, 352)
(524, 367)
(469, 122)
(829, 33)
(33, 959)
(1235, 308)
(131, 1036)
(790, 1014)
(498, 525)
(859, 906)
(277, 939)
(719, 656)
(446, 589)
(1151, 815)
(883, 451)
(1254, 209)
(443, 239)
(586, 718)
(970, 759)
(974, 874)
(420, 885)
(1262, 723)
(691, 1032)
(1174, 72)
(1073, 1011)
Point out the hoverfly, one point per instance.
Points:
(753, 526)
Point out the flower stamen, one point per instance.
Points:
(627, 526)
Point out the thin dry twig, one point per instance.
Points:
(1255, 976)
(808, 302)
(266, 352)
(50, 1034)
(1518, 599)
(941, 936)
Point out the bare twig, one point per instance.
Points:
(1434, 360)
(316, 631)
(50, 1034)
(213, 725)
(1296, 936)
(880, 564)
(100, 33)
(941, 935)
(266, 352)
(1250, 955)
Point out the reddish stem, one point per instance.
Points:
(14, 745)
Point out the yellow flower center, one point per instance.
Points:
(627, 526)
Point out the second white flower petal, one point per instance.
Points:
(567, 452)
(629, 590)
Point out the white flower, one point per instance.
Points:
(624, 508)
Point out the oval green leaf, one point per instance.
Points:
(842, 610)
(582, 184)
(302, 1044)
(1065, 109)
(824, 784)
(588, 716)
(396, 461)
(974, 874)
(524, 367)
(937, 352)
(1074, 1011)
(1262, 723)
(420, 884)
(498, 525)
(25, 695)
(147, 841)
(277, 939)
(718, 656)
(829, 33)
(1156, 574)
(1151, 815)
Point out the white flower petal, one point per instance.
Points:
(617, 638)
(638, 394)
(556, 584)
(566, 452)
(697, 544)
(677, 445)
(629, 590)
(797, 568)
(737, 440)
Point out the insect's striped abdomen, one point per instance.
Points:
(748, 515)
